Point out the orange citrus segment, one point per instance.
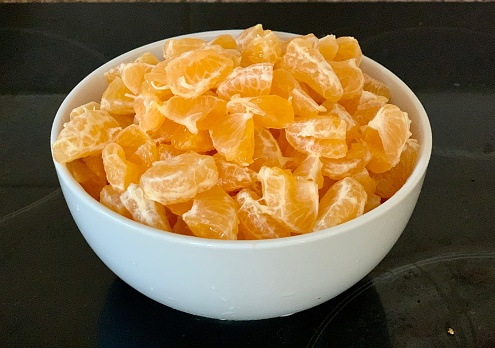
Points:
(368, 106)
(232, 176)
(344, 201)
(265, 48)
(250, 81)
(183, 139)
(308, 65)
(268, 111)
(110, 197)
(180, 178)
(175, 47)
(233, 138)
(117, 98)
(350, 76)
(248, 35)
(348, 48)
(285, 85)
(255, 220)
(226, 41)
(292, 202)
(120, 172)
(188, 112)
(133, 76)
(213, 215)
(374, 86)
(193, 73)
(143, 210)
(83, 108)
(386, 135)
(266, 150)
(322, 135)
(84, 135)
(310, 169)
(354, 161)
(328, 47)
(389, 182)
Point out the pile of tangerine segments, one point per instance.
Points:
(241, 138)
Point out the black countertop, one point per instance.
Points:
(435, 288)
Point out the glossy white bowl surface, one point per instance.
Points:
(242, 280)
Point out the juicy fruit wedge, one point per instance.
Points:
(83, 108)
(308, 65)
(180, 178)
(110, 197)
(391, 181)
(133, 76)
(213, 215)
(120, 172)
(250, 81)
(183, 139)
(285, 85)
(255, 219)
(268, 111)
(175, 47)
(144, 210)
(350, 76)
(292, 202)
(85, 135)
(374, 86)
(321, 135)
(328, 47)
(266, 150)
(233, 138)
(232, 176)
(265, 48)
(354, 161)
(249, 35)
(344, 201)
(348, 48)
(193, 73)
(386, 135)
(188, 112)
(117, 98)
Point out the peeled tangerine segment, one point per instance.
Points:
(213, 215)
(292, 201)
(180, 178)
(308, 65)
(233, 138)
(386, 136)
(84, 135)
(354, 161)
(321, 135)
(284, 84)
(255, 219)
(188, 111)
(389, 182)
(344, 201)
(193, 73)
(269, 111)
(144, 210)
(117, 98)
(120, 171)
(110, 197)
(251, 81)
(232, 176)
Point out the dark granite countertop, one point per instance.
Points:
(434, 289)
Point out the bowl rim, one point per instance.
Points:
(414, 179)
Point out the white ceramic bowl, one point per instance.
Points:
(242, 280)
